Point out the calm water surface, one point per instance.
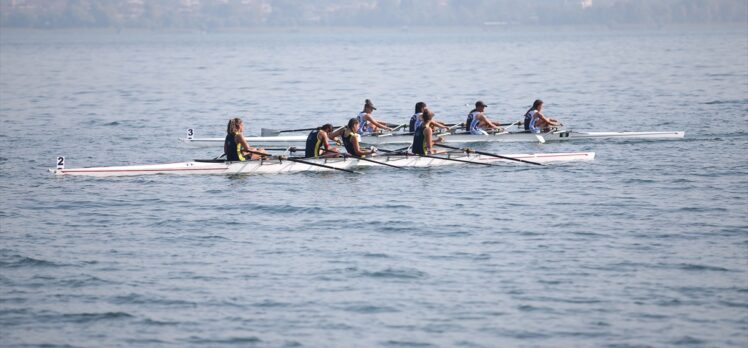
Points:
(647, 246)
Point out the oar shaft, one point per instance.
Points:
(290, 149)
(490, 154)
(447, 159)
(519, 123)
(364, 159)
(300, 130)
(377, 162)
(321, 165)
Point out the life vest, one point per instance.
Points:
(530, 120)
(415, 121)
(472, 123)
(233, 149)
(419, 141)
(313, 144)
(363, 124)
(348, 143)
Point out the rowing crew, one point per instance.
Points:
(422, 125)
(318, 145)
(318, 141)
(478, 123)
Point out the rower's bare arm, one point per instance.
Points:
(256, 152)
(337, 133)
(487, 122)
(547, 120)
(325, 142)
(428, 137)
(377, 123)
(356, 148)
(438, 124)
(243, 142)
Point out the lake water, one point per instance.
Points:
(647, 246)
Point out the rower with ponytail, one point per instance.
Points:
(235, 146)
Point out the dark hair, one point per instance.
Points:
(351, 122)
(420, 106)
(535, 105)
(233, 127)
(325, 127)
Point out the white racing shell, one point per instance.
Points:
(276, 166)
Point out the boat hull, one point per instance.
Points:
(285, 166)
(385, 139)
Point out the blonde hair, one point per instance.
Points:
(233, 126)
(427, 115)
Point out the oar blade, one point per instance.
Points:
(267, 132)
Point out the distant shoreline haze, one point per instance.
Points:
(219, 14)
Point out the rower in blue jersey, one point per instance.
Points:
(423, 137)
(318, 142)
(351, 140)
(416, 120)
(477, 123)
(367, 123)
(235, 146)
(536, 122)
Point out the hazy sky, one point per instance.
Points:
(211, 14)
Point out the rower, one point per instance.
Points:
(423, 141)
(416, 120)
(317, 143)
(368, 124)
(477, 122)
(235, 146)
(535, 121)
(351, 140)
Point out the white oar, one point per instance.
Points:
(455, 126)
(268, 132)
(399, 127)
(506, 127)
(537, 136)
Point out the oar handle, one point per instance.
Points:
(259, 153)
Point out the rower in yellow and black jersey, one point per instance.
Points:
(423, 139)
(351, 140)
(317, 143)
(235, 146)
